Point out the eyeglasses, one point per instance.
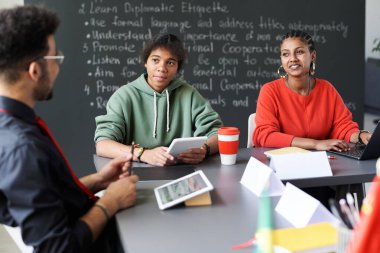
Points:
(59, 57)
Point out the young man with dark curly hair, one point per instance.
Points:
(156, 108)
(39, 192)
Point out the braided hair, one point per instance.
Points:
(303, 36)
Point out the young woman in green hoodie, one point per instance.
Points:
(155, 109)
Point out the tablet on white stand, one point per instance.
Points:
(183, 189)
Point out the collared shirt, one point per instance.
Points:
(37, 191)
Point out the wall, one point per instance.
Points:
(372, 27)
(10, 3)
(372, 64)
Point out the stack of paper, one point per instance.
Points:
(301, 165)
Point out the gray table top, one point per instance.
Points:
(230, 220)
(345, 170)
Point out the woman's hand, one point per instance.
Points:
(332, 144)
(365, 137)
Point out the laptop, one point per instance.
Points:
(364, 152)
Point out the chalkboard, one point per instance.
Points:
(233, 51)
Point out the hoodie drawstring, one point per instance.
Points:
(167, 112)
(155, 113)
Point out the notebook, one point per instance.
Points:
(314, 238)
(283, 151)
(364, 152)
(319, 237)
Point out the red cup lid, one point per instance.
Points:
(228, 131)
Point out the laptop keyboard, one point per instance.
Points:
(354, 152)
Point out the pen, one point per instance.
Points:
(354, 210)
(335, 212)
(346, 210)
(331, 157)
(132, 151)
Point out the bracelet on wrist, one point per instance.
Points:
(207, 147)
(104, 210)
(139, 153)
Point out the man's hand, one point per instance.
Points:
(116, 169)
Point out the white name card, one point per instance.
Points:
(301, 165)
(261, 180)
(301, 209)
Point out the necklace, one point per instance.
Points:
(308, 86)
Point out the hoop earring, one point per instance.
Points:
(279, 72)
(312, 69)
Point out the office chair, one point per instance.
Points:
(251, 129)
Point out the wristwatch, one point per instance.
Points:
(140, 151)
(207, 147)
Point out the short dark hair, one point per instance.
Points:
(23, 35)
(169, 42)
(303, 36)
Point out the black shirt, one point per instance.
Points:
(37, 191)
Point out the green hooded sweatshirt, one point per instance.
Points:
(135, 112)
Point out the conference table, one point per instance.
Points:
(230, 220)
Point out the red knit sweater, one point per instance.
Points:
(282, 114)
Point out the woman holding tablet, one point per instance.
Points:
(155, 109)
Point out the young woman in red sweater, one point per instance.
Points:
(301, 110)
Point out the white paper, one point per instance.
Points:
(301, 209)
(260, 179)
(301, 165)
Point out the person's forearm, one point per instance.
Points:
(97, 217)
(92, 182)
(212, 142)
(305, 143)
(111, 149)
